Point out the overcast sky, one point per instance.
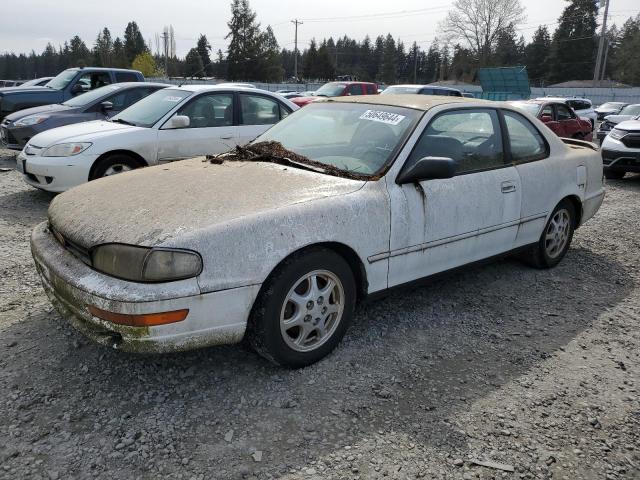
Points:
(30, 24)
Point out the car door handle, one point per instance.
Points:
(508, 187)
(226, 137)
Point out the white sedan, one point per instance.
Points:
(171, 124)
(277, 241)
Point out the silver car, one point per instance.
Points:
(99, 104)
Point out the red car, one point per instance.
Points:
(339, 89)
(559, 117)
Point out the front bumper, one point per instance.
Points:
(214, 318)
(55, 174)
(15, 138)
(621, 160)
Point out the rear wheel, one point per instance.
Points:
(613, 174)
(304, 309)
(113, 164)
(555, 239)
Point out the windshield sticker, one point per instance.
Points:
(383, 117)
(172, 99)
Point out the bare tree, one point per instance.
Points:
(478, 22)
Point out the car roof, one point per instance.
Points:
(207, 88)
(138, 84)
(415, 85)
(417, 102)
(104, 69)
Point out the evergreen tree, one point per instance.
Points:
(119, 55)
(389, 61)
(270, 61)
(193, 66)
(537, 56)
(325, 69)
(79, 55)
(204, 48)
(310, 61)
(243, 54)
(103, 49)
(574, 44)
(626, 54)
(506, 51)
(133, 41)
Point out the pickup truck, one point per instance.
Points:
(67, 84)
(338, 89)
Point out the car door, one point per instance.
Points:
(257, 113)
(567, 120)
(541, 176)
(356, 89)
(441, 224)
(549, 117)
(211, 128)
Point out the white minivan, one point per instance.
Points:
(171, 124)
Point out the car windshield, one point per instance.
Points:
(90, 97)
(356, 138)
(400, 90)
(532, 108)
(330, 90)
(610, 106)
(149, 110)
(60, 81)
(630, 110)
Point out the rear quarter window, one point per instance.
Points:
(126, 77)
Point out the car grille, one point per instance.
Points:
(76, 250)
(631, 140)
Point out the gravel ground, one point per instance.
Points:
(535, 370)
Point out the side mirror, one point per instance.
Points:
(76, 89)
(546, 118)
(179, 121)
(106, 106)
(427, 168)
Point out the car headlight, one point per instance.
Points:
(31, 120)
(145, 264)
(65, 149)
(617, 134)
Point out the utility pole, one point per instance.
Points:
(603, 33)
(415, 62)
(165, 39)
(604, 63)
(296, 22)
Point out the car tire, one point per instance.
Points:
(614, 174)
(555, 238)
(288, 324)
(113, 164)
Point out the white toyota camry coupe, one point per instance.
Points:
(276, 241)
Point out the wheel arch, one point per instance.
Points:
(137, 157)
(577, 206)
(346, 252)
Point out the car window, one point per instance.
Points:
(563, 113)
(258, 110)
(525, 140)
(93, 80)
(371, 90)
(356, 89)
(126, 77)
(427, 91)
(471, 137)
(124, 99)
(547, 110)
(209, 110)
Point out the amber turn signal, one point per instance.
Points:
(142, 320)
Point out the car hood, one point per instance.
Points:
(56, 107)
(26, 89)
(158, 205)
(630, 125)
(618, 118)
(79, 132)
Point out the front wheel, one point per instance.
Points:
(304, 309)
(112, 165)
(556, 237)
